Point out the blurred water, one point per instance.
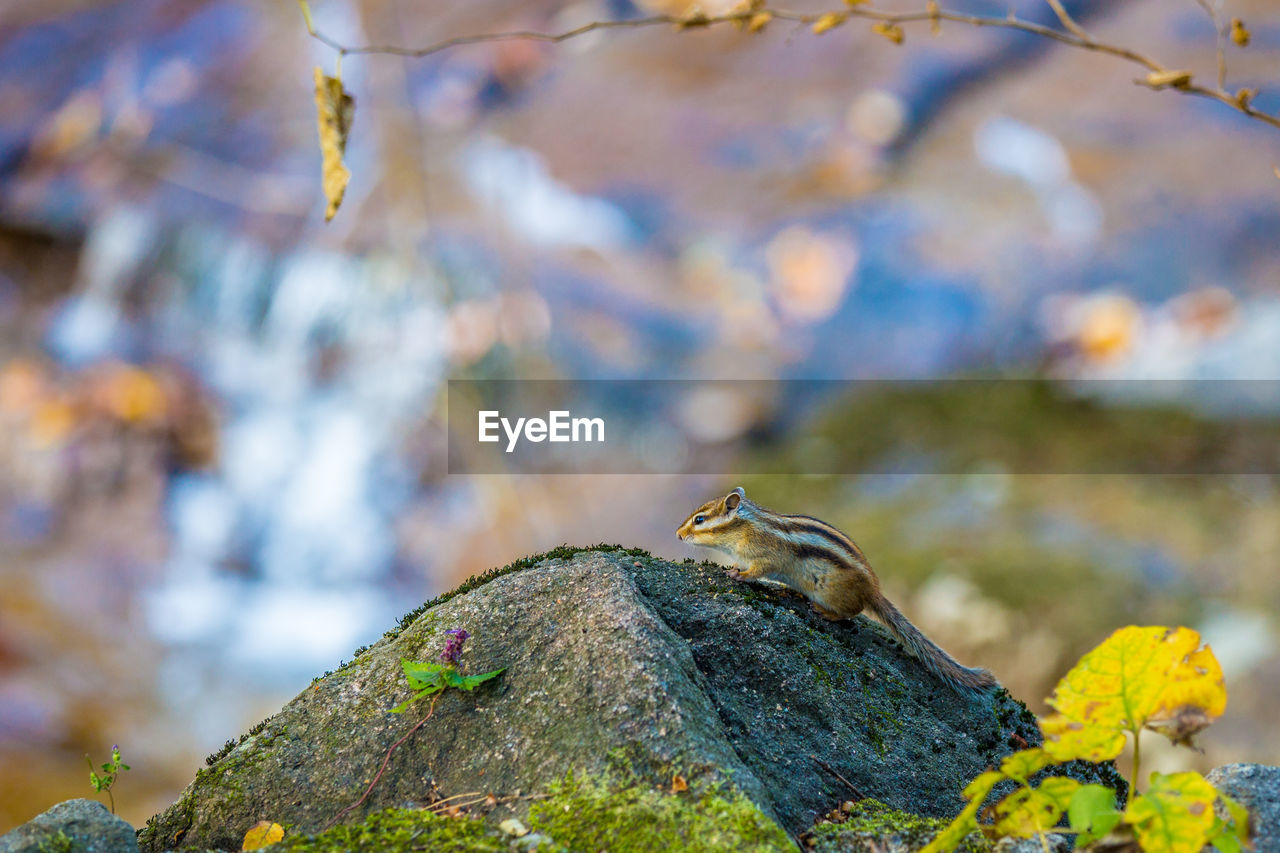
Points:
(322, 362)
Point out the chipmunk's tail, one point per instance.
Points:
(928, 652)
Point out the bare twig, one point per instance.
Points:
(1068, 21)
(827, 767)
(1073, 36)
(1220, 31)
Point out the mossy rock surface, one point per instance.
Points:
(617, 665)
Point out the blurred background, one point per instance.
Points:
(221, 420)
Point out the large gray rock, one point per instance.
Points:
(617, 663)
(1257, 788)
(74, 826)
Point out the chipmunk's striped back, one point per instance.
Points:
(820, 561)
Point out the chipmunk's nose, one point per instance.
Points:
(680, 534)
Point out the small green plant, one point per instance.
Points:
(429, 677)
(1155, 679)
(110, 771)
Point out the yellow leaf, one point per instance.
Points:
(334, 109)
(967, 821)
(935, 22)
(1244, 97)
(1194, 693)
(1066, 740)
(758, 21)
(1174, 815)
(262, 834)
(1240, 33)
(679, 784)
(829, 21)
(892, 32)
(1021, 766)
(1029, 811)
(1135, 677)
(1161, 79)
(977, 790)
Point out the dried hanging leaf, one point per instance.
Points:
(892, 32)
(935, 20)
(1174, 815)
(829, 21)
(334, 110)
(262, 834)
(1161, 79)
(1240, 33)
(758, 21)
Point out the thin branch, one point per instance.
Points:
(1073, 36)
(827, 767)
(1221, 33)
(1068, 21)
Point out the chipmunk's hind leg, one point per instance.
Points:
(829, 615)
(840, 596)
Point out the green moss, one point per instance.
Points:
(232, 744)
(872, 825)
(394, 830)
(166, 835)
(59, 843)
(578, 814)
(584, 813)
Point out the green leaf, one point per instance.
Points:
(422, 674)
(400, 709)
(1230, 835)
(453, 678)
(1175, 815)
(471, 682)
(1092, 812)
(1224, 839)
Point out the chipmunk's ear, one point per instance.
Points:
(734, 499)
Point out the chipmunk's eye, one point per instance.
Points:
(698, 519)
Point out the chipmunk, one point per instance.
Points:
(820, 562)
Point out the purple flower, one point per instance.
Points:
(453, 645)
